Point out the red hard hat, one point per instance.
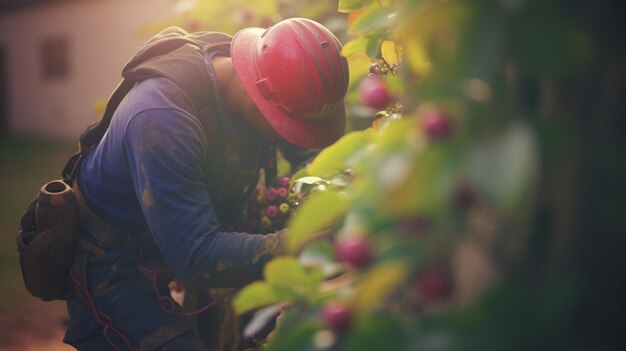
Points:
(295, 74)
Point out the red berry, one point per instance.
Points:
(436, 123)
(353, 249)
(283, 182)
(435, 284)
(271, 194)
(271, 211)
(374, 93)
(282, 192)
(336, 315)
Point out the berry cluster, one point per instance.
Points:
(381, 68)
(373, 90)
(269, 206)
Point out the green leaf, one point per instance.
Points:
(374, 17)
(287, 273)
(336, 157)
(258, 294)
(391, 52)
(423, 31)
(359, 65)
(506, 167)
(355, 46)
(381, 333)
(303, 186)
(378, 283)
(301, 173)
(430, 183)
(318, 213)
(308, 180)
(351, 5)
(320, 254)
(293, 334)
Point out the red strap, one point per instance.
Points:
(104, 320)
(168, 305)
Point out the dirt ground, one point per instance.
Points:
(39, 327)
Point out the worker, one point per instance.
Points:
(164, 187)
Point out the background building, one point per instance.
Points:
(59, 57)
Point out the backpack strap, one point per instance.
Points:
(174, 54)
(94, 133)
(106, 234)
(180, 57)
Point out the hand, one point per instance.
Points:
(177, 291)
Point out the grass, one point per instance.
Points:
(25, 165)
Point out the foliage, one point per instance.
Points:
(441, 186)
(230, 16)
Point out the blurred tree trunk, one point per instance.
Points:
(584, 186)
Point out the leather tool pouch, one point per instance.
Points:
(48, 231)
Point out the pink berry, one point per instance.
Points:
(336, 315)
(436, 123)
(271, 194)
(353, 249)
(283, 182)
(434, 284)
(282, 192)
(374, 93)
(271, 211)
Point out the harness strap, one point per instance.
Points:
(105, 234)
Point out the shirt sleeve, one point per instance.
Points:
(165, 150)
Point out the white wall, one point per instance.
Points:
(102, 36)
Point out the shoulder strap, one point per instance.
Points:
(174, 54)
(94, 133)
(180, 57)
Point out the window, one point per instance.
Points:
(54, 57)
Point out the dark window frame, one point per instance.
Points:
(54, 53)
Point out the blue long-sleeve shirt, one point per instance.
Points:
(150, 173)
(159, 169)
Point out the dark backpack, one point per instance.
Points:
(49, 226)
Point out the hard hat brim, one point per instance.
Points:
(310, 134)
